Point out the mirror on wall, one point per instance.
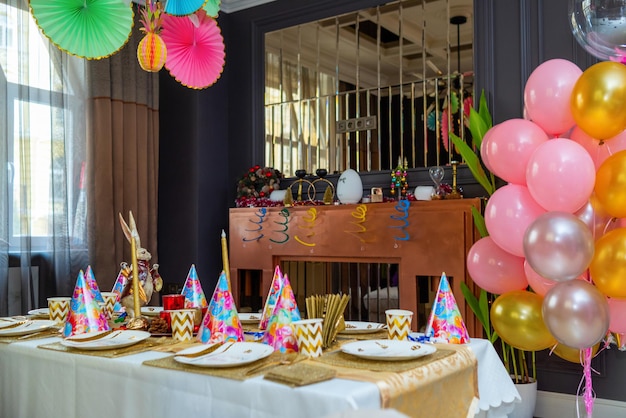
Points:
(371, 88)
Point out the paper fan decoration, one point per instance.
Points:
(151, 51)
(212, 7)
(91, 29)
(183, 7)
(195, 55)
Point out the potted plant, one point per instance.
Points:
(519, 364)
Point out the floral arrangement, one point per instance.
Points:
(258, 182)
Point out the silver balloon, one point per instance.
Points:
(558, 246)
(576, 314)
(599, 26)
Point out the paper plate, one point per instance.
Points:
(91, 29)
(249, 318)
(388, 350)
(195, 55)
(40, 312)
(109, 340)
(358, 327)
(230, 355)
(24, 327)
(151, 310)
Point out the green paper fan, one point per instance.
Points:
(212, 7)
(91, 29)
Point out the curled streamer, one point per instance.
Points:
(285, 214)
(402, 207)
(260, 214)
(309, 224)
(360, 214)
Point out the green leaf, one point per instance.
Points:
(475, 306)
(472, 161)
(483, 111)
(478, 127)
(479, 222)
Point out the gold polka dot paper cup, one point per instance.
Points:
(59, 308)
(398, 323)
(308, 334)
(182, 324)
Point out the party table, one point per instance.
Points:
(37, 382)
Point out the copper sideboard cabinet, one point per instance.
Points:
(425, 238)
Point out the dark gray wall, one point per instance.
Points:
(210, 137)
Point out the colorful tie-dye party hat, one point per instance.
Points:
(272, 296)
(279, 333)
(221, 322)
(194, 295)
(85, 314)
(445, 321)
(90, 279)
(120, 284)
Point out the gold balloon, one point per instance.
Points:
(610, 188)
(608, 265)
(572, 354)
(517, 318)
(598, 101)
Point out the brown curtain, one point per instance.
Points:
(123, 158)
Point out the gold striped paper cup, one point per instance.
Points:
(398, 323)
(308, 334)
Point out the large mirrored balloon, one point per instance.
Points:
(576, 313)
(599, 26)
(558, 246)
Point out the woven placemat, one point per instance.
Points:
(52, 332)
(243, 372)
(140, 347)
(341, 359)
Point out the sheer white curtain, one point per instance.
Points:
(43, 234)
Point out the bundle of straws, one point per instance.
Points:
(331, 309)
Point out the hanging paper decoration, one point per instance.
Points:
(91, 29)
(151, 51)
(195, 54)
(183, 7)
(212, 7)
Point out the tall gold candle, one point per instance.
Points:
(133, 250)
(225, 258)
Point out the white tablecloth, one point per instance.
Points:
(45, 383)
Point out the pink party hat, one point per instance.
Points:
(279, 333)
(221, 322)
(445, 321)
(85, 314)
(90, 278)
(275, 289)
(120, 284)
(194, 295)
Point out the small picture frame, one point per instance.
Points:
(377, 194)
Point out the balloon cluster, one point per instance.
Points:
(558, 224)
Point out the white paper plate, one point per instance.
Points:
(358, 327)
(390, 350)
(40, 312)
(151, 310)
(27, 327)
(115, 339)
(227, 356)
(250, 318)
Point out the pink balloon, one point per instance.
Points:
(540, 284)
(617, 310)
(547, 95)
(495, 270)
(510, 146)
(599, 151)
(509, 211)
(483, 146)
(561, 175)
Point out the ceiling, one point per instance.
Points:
(425, 31)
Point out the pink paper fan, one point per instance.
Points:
(195, 55)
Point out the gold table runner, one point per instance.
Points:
(140, 347)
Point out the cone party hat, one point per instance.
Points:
(279, 333)
(90, 278)
(221, 322)
(120, 284)
(85, 314)
(272, 296)
(445, 321)
(192, 290)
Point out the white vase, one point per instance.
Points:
(528, 393)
